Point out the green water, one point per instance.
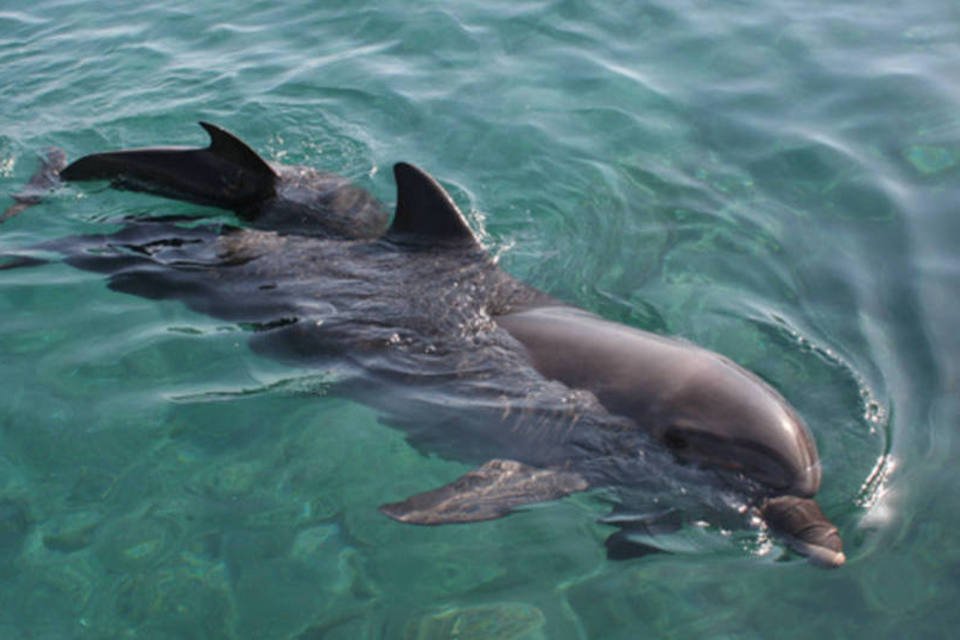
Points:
(778, 181)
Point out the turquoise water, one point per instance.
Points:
(778, 181)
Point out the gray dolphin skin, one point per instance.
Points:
(230, 175)
(43, 181)
(545, 398)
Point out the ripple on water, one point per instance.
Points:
(684, 167)
(504, 621)
(70, 531)
(137, 543)
(177, 602)
(14, 526)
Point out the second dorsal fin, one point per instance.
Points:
(226, 174)
(425, 211)
(230, 147)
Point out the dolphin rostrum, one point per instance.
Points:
(546, 398)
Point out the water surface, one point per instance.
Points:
(777, 181)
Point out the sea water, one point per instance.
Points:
(778, 181)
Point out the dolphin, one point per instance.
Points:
(44, 180)
(230, 175)
(418, 315)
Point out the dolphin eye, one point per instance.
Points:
(675, 441)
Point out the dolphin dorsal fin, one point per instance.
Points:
(228, 146)
(425, 211)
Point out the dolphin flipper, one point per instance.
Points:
(663, 531)
(10, 262)
(227, 174)
(638, 532)
(489, 492)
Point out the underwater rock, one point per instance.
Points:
(14, 525)
(135, 543)
(232, 480)
(291, 581)
(70, 532)
(322, 507)
(282, 598)
(182, 602)
(350, 627)
(50, 599)
(243, 546)
(91, 484)
(440, 564)
(315, 541)
(504, 621)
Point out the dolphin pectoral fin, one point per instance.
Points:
(488, 492)
(642, 534)
(805, 529)
(634, 539)
(226, 174)
(10, 262)
(621, 546)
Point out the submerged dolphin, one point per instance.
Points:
(45, 179)
(418, 311)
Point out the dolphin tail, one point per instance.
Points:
(44, 180)
(227, 174)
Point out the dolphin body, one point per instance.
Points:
(546, 398)
(44, 180)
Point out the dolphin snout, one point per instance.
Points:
(806, 529)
